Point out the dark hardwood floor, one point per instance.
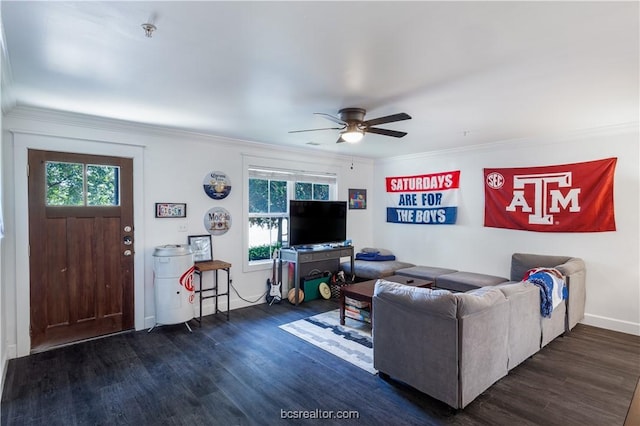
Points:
(247, 371)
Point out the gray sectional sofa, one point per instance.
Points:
(455, 345)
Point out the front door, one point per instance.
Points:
(80, 246)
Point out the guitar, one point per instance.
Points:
(274, 294)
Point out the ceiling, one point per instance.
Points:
(467, 72)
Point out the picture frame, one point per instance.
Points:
(357, 199)
(201, 246)
(171, 210)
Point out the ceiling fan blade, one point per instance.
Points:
(387, 119)
(340, 140)
(330, 117)
(314, 130)
(385, 132)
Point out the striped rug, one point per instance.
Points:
(351, 342)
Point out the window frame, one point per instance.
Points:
(85, 190)
(311, 172)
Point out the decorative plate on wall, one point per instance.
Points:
(216, 185)
(217, 221)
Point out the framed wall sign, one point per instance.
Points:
(216, 185)
(171, 210)
(201, 246)
(217, 221)
(357, 199)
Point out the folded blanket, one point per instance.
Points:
(552, 288)
(377, 257)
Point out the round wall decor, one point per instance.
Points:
(216, 185)
(217, 221)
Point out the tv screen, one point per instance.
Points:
(317, 222)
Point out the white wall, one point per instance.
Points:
(171, 168)
(173, 165)
(612, 258)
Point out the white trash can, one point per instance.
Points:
(173, 283)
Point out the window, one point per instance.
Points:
(312, 191)
(78, 184)
(269, 195)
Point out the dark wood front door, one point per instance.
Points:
(80, 246)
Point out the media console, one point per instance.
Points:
(316, 254)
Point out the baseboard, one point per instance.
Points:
(12, 352)
(208, 307)
(612, 324)
(149, 322)
(5, 362)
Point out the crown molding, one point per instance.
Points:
(539, 140)
(128, 128)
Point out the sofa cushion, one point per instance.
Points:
(465, 281)
(437, 302)
(373, 270)
(424, 272)
(572, 266)
(525, 325)
(478, 300)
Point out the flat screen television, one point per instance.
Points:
(317, 222)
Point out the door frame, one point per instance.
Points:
(22, 142)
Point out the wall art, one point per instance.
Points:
(216, 185)
(430, 199)
(576, 197)
(217, 221)
(357, 199)
(201, 246)
(168, 210)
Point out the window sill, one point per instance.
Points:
(258, 265)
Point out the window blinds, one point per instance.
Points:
(292, 175)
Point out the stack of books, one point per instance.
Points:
(357, 309)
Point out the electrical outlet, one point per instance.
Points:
(182, 228)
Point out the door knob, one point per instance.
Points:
(127, 253)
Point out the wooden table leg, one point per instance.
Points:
(341, 306)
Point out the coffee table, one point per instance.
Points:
(364, 291)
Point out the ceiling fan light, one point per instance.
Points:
(353, 136)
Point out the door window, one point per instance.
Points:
(78, 184)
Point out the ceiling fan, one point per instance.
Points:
(353, 125)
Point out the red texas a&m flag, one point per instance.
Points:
(565, 198)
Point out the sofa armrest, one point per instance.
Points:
(571, 266)
(575, 273)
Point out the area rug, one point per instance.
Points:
(351, 342)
